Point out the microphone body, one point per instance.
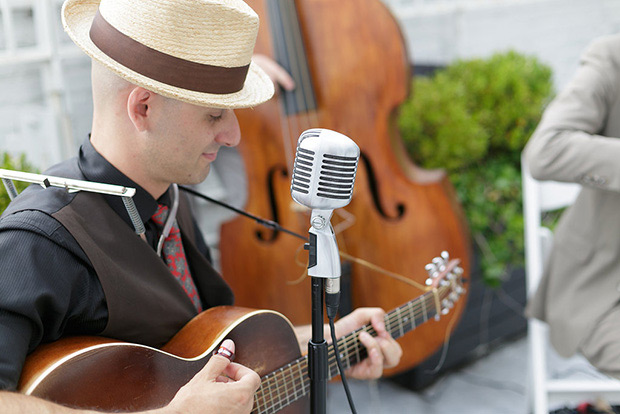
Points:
(324, 257)
(323, 178)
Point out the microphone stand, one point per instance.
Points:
(324, 268)
(73, 186)
(317, 352)
(317, 346)
(321, 241)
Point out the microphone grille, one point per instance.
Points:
(302, 170)
(324, 169)
(337, 177)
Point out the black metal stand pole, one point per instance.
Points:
(317, 352)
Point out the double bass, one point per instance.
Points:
(352, 72)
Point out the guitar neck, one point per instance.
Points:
(289, 383)
(398, 322)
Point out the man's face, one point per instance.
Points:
(184, 140)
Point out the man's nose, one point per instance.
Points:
(229, 135)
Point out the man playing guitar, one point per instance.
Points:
(166, 76)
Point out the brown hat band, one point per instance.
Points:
(162, 67)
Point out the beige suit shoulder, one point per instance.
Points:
(607, 48)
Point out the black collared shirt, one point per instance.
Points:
(48, 287)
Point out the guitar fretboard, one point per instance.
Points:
(291, 382)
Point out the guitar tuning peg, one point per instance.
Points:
(447, 303)
(445, 256)
(458, 271)
(431, 269)
(428, 281)
(445, 311)
(453, 296)
(439, 262)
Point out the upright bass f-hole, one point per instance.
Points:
(265, 235)
(373, 187)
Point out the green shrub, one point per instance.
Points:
(473, 119)
(490, 193)
(435, 123)
(506, 93)
(12, 163)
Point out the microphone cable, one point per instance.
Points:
(345, 384)
(263, 222)
(275, 226)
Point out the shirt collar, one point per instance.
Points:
(97, 169)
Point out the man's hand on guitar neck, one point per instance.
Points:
(383, 350)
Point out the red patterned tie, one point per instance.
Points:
(174, 256)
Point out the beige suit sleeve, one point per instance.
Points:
(577, 138)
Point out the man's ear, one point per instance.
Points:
(138, 109)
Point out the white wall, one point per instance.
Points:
(44, 79)
(45, 103)
(45, 100)
(556, 31)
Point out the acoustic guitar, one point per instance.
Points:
(104, 374)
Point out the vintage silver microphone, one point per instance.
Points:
(323, 179)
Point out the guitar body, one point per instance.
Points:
(103, 374)
(99, 373)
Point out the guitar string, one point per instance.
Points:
(277, 404)
(282, 376)
(395, 314)
(280, 379)
(280, 403)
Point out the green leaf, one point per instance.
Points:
(13, 163)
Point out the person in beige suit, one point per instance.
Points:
(577, 140)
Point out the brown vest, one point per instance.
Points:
(146, 304)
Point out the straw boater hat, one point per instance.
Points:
(197, 51)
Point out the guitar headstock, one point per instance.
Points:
(444, 272)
